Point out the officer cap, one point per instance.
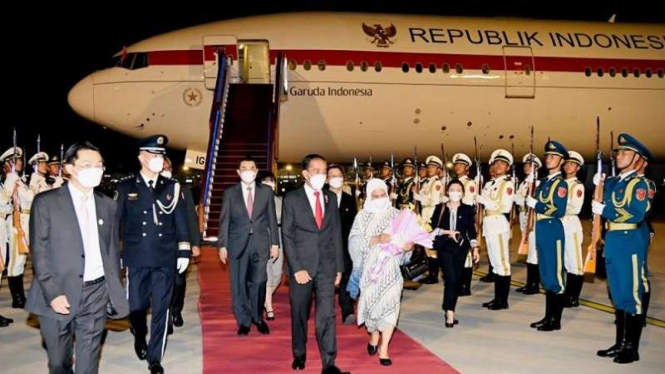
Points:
(408, 162)
(462, 159)
(576, 158)
(10, 153)
(527, 159)
(553, 147)
(154, 144)
(38, 157)
(433, 160)
(628, 142)
(501, 155)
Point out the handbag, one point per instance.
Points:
(419, 263)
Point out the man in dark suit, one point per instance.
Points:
(153, 220)
(75, 252)
(347, 212)
(312, 236)
(248, 236)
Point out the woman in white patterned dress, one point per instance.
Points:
(380, 292)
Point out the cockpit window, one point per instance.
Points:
(131, 61)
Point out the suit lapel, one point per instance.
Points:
(306, 205)
(102, 223)
(67, 208)
(330, 208)
(258, 195)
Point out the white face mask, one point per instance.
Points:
(336, 182)
(166, 174)
(380, 204)
(317, 181)
(247, 176)
(455, 196)
(91, 177)
(156, 164)
(271, 184)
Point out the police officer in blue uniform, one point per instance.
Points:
(153, 222)
(624, 206)
(550, 205)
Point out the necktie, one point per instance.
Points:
(250, 202)
(150, 182)
(319, 210)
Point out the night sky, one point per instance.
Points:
(49, 48)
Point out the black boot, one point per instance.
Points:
(554, 323)
(465, 284)
(4, 322)
(489, 278)
(17, 291)
(502, 290)
(548, 311)
(632, 332)
(139, 328)
(534, 286)
(529, 278)
(646, 298)
(574, 285)
(614, 350)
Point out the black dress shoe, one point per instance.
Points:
(385, 361)
(372, 349)
(177, 320)
(156, 368)
(140, 347)
(298, 363)
(334, 370)
(169, 330)
(243, 330)
(263, 327)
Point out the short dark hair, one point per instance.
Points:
(456, 181)
(72, 153)
(247, 159)
(335, 166)
(309, 158)
(265, 174)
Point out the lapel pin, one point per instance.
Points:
(101, 222)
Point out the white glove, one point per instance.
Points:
(393, 196)
(357, 192)
(531, 202)
(597, 207)
(417, 197)
(519, 200)
(182, 265)
(490, 205)
(597, 178)
(11, 179)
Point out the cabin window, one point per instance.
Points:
(613, 72)
(321, 65)
(349, 65)
(587, 71)
(377, 66)
(307, 64)
(636, 73)
(661, 73)
(405, 67)
(600, 72)
(446, 68)
(527, 69)
(432, 68)
(485, 69)
(459, 69)
(419, 67)
(624, 72)
(292, 64)
(364, 65)
(648, 73)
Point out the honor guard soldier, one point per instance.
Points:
(532, 286)
(624, 206)
(461, 165)
(387, 176)
(40, 172)
(429, 196)
(648, 232)
(497, 200)
(54, 170)
(17, 227)
(405, 189)
(550, 206)
(368, 173)
(153, 222)
(6, 210)
(572, 228)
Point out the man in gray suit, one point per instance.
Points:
(75, 251)
(312, 236)
(248, 236)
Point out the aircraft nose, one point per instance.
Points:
(82, 99)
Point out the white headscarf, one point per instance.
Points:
(372, 185)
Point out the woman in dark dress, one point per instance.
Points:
(456, 236)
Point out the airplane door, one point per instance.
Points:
(212, 44)
(254, 61)
(520, 72)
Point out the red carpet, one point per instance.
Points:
(224, 351)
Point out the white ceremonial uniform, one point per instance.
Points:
(497, 198)
(16, 264)
(572, 228)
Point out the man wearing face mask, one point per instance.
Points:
(153, 220)
(248, 236)
(312, 234)
(75, 252)
(347, 212)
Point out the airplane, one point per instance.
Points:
(361, 83)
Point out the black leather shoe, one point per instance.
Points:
(263, 328)
(372, 349)
(243, 330)
(489, 303)
(177, 320)
(140, 347)
(385, 361)
(156, 368)
(498, 305)
(298, 363)
(334, 370)
(6, 321)
(169, 330)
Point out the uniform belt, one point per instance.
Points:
(489, 214)
(621, 226)
(25, 211)
(94, 281)
(540, 217)
(522, 209)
